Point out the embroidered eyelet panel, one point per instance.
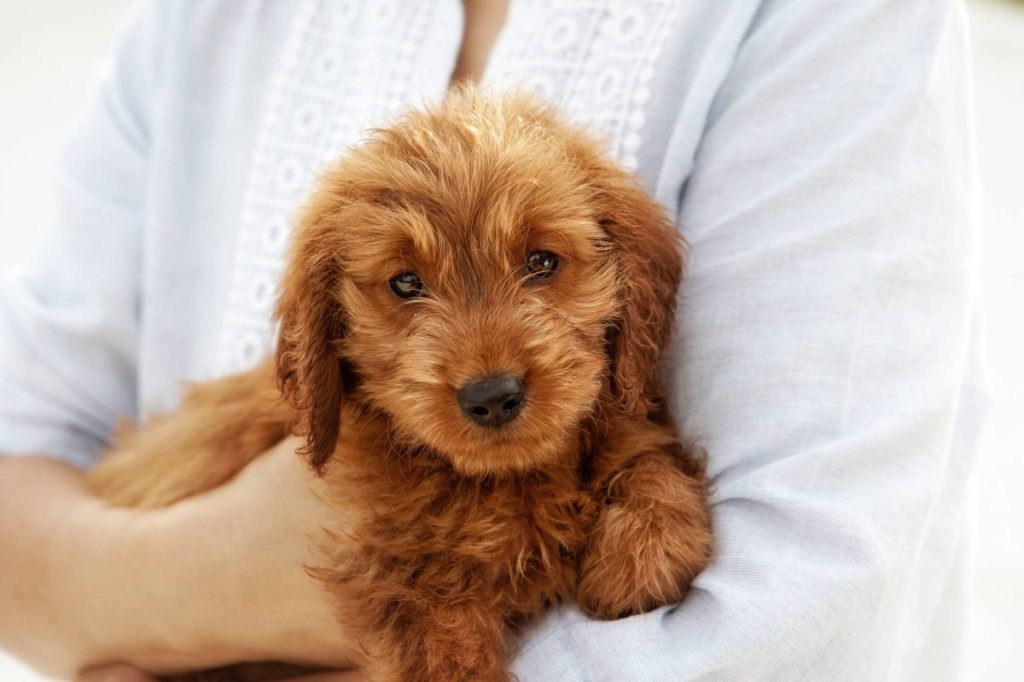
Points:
(347, 64)
(592, 58)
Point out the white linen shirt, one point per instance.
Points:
(817, 156)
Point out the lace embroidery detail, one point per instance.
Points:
(594, 58)
(346, 65)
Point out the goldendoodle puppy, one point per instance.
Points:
(472, 318)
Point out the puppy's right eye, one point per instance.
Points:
(541, 264)
(407, 285)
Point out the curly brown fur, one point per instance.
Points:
(462, 530)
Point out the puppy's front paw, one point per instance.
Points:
(644, 550)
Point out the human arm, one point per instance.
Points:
(214, 580)
(822, 352)
(67, 330)
(79, 582)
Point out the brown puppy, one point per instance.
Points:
(472, 318)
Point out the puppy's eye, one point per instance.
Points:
(541, 264)
(407, 285)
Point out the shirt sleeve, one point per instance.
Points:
(69, 320)
(822, 349)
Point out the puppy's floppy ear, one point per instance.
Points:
(309, 369)
(648, 252)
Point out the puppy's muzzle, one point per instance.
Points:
(494, 400)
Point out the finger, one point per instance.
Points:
(335, 676)
(117, 672)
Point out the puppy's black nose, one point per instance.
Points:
(494, 400)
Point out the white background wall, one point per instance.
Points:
(51, 49)
(996, 644)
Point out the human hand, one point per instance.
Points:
(239, 554)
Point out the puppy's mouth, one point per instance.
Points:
(502, 453)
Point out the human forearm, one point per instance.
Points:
(213, 580)
(49, 570)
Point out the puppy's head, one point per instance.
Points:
(488, 277)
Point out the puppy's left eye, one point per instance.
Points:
(541, 264)
(407, 285)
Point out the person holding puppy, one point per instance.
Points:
(816, 157)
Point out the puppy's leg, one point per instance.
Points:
(219, 428)
(441, 642)
(652, 535)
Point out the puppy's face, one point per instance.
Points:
(478, 312)
(466, 266)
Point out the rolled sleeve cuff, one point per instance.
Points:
(25, 438)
